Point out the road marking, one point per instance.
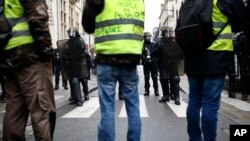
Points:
(143, 108)
(179, 110)
(85, 111)
(58, 97)
(235, 102)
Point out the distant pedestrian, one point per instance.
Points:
(118, 45)
(26, 61)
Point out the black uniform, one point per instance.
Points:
(57, 69)
(245, 56)
(84, 80)
(149, 62)
(2, 81)
(169, 55)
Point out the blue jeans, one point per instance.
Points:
(204, 96)
(107, 77)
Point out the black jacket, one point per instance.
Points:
(169, 56)
(217, 62)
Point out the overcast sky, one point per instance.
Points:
(152, 13)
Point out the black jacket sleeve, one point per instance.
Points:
(234, 10)
(91, 9)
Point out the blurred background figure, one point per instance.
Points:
(84, 80)
(169, 56)
(2, 81)
(74, 64)
(57, 69)
(149, 63)
(244, 62)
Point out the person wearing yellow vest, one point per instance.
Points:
(118, 44)
(206, 71)
(27, 64)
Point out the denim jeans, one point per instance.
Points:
(204, 97)
(107, 77)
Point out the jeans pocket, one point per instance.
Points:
(105, 72)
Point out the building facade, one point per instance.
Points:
(64, 14)
(168, 16)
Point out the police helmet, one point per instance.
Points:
(73, 32)
(167, 30)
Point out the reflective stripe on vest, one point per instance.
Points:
(224, 40)
(120, 31)
(20, 29)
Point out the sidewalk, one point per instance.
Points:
(61, 98)
(185, 88)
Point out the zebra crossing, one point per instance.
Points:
(91, 106)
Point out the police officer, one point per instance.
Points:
(149, 64)
(84, 80)
(57, 68)
(75, 91)
(169, 56)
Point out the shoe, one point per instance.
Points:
(177, 101)
(80, 103)
(70, 99)
(244, 97)
(156, 93)
(56, 87)
(232, 95)
(121, 97)
(146, 93)
(65, 88)
(164, 99)
(72, 102)
(172, 97)
(86, 97)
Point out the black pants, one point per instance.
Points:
(170, 86)
(150, 69)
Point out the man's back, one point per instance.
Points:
(118, 45)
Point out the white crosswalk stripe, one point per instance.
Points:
(91, 106)
(58, 97)
(179, 110)
(143, 109)
(85, 111)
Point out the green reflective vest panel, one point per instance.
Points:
(224, 40)
(14, 13)
(119, 28)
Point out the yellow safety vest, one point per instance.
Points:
(119, 27)
(224, 41)
(14, 12)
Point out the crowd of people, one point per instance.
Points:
(28, 61)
